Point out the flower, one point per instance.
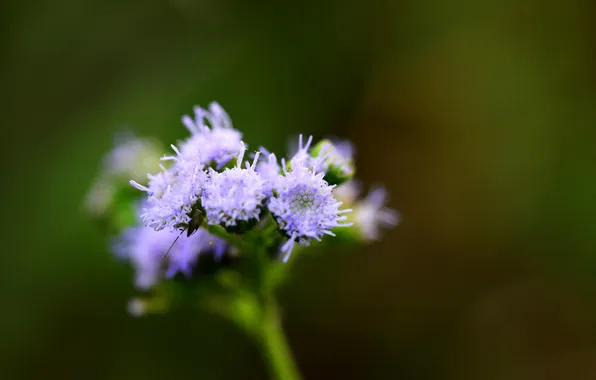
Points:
(145, 249)
(335, 159)
(131, 157)
(304, 207)
(184, 254)
(204, 202)
(173, 193)
(234, 195)
(348, 192)
(344, 148)
(371, 214)
(269, 171)
(218, 144)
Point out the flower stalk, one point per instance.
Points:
(277, 352)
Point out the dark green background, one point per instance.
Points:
(480, 117)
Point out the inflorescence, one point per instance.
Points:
(206, 198)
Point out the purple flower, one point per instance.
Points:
(304, 207)
(173, 193)
(335, 157)
(184, 254)
(371, 214)
(131, 158)
(268, 168)
(234, 195)
(145, 248)
(218, 144)
(348, 192)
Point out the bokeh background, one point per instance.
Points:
(479, 117)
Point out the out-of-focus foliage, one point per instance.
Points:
(479, 116)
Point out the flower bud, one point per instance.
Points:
(335, 160)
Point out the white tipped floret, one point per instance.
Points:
(240, 157)
(255, 161)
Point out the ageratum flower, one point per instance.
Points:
(218, 144)
(304, 207)
(145, 249)
(184, 254)
(336, 160)
(173, 193)
(348, 192)
(131, 158)
(235, 195)
(371, 214)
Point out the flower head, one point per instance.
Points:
(371, 214)
(173, 193)
(131, 158)
(304, 206)
(201, 192)
(218, 144)
(145, 248)
(184, 254)
(335, 159)
(348, 192)
(235, 195)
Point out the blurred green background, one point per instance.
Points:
(480, 118)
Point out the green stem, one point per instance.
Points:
(276, 350)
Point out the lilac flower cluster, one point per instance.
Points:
(297, 195)
(206, 182)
